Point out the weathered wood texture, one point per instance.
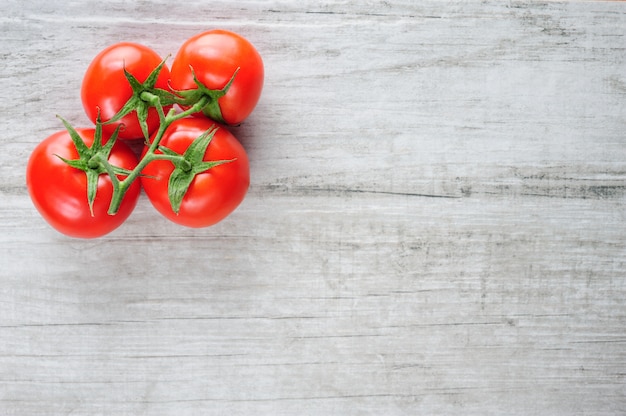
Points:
(435, 224)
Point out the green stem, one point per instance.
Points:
(101, 160)
(121, 187)
(197, 107)
(150, 98)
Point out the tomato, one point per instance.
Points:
(105, 86)
(212, 194)
(215, 56)
(59, 191)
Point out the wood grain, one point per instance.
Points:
(435, 224)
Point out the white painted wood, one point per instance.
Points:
(435, 225)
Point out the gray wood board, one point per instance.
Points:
(435, 223)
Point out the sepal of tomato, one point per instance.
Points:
(212, 58)
(144, 97)
(62, 176)
(207, 182)
(205, 97)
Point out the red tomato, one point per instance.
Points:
(105, 86)
(59, 191)
(213, 194)
(215, 56)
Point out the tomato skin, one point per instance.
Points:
(59, 191)
(213, 194)
(214, 56)
(105, 86)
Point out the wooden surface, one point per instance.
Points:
(435, 224)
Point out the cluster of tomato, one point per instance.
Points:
(85, 182)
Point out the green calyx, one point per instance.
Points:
(145, 95)
(92, 160)
(212, 108)
(188, 166)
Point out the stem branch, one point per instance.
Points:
(121, 187)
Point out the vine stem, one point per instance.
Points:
(120, 187)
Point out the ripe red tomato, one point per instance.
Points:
(59, 191)
(105, 86)
(213, 194)
(215, 56)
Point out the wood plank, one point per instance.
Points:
(435, 223)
